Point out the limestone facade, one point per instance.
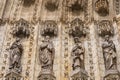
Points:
(88, 20)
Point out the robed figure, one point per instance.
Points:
(109, 54)
(78, 55)
(16, 51)
(46, 55)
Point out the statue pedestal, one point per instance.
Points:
(79, 74)
(12, 75)
(112, 75)
(46, 76)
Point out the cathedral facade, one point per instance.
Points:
(59, 39)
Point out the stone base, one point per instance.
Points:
(79, 74)
(46, 76)
(12, 75)
(112, 75)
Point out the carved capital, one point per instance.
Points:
(77, 28)
(21, 29)
(49, 28)
(105, 27)
(102, 7)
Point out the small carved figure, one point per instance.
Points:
(109, 53)
(16, 51)
(78, 55)
(46, 55)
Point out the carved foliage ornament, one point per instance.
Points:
(49, 28)
(102, 7)
(105, 27)
(77, 28)
(51, 5)
(21, 29)
(76, 5)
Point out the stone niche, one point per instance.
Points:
(51, 5)
(28, 2)
(102, 7)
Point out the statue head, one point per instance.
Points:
(76, 40)
(107, 37)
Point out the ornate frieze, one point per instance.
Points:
(51, 5)
(105, 27)
(21, 29)
(77, 28)
(102, 7)
(49, 28)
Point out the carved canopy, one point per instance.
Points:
(21, 29)
(49, 28)
(105, 27)
(77, 28)
(102, 7)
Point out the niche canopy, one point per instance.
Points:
(102, 7)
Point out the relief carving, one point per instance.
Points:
(78, 55)
(52, 5)
(109, 53)
(102, 7)
(16, 51)
(105, 27)
(46, 55)
(21, 29)
(77, 28)
(49, 28)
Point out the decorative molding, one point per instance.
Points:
(28, 2)
(102, 7)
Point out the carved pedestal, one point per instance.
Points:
(46, 76)
(12, 75)
(79, 74)
(112, 75)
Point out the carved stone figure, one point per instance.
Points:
(105, 28)
(78, 55)
(16, 51)
(77, 28)
(102, 7)
(46, 55)
(109, 53)
(49, 28)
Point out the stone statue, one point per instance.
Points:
(16, 51)
(46, 55)
(78, 55)
(109, 53)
